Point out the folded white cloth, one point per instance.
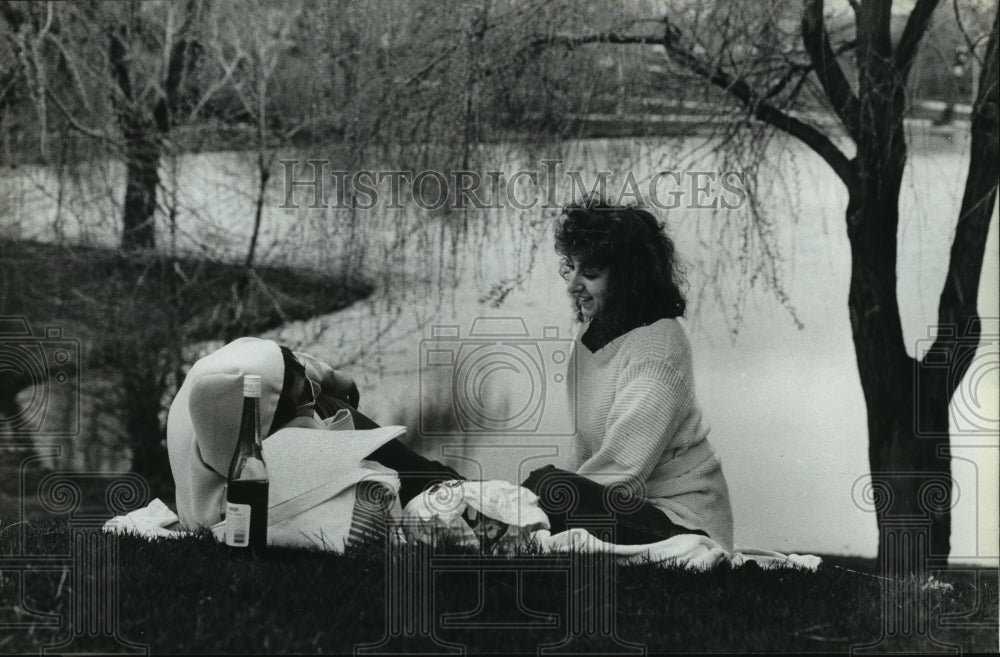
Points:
(771, 559)
(155, 520)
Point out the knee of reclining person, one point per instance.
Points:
(536, 478)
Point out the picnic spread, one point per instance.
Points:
(442, 514)
(328, 491)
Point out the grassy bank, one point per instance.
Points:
(78, 285)
(191, 596)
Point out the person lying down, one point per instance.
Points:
(302, 399)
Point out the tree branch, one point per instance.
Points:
(970, 43)
(184, 53)
(761, 109)
(805, 69)
(228, 70)
(824, 59)
(958, 304)
(73, 121)
(117, 55)
(572, 42)
(73, 70)
(873, 24)
(913, 33)
(735, 86)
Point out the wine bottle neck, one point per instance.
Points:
(250, 422)
(248, 458)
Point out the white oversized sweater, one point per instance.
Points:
(638, 422)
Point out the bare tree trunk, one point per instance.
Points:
(144, 389)
(142, 177)
(142, 150)
(907, 408)
(907, 467)
(907, 399)
(263, 176)
(145, 128)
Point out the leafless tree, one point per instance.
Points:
(119, 74)
(783, 67)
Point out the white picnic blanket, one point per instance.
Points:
(440, 512)
(692, 551)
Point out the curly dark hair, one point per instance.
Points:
(645, 275)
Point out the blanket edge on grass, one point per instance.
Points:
(692, 551)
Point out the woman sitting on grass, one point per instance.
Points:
(642, 464)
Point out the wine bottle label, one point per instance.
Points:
(237, 524)
(251, 385)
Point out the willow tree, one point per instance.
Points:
(119, 74)
(787, 68)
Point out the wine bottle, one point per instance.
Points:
(247, 482)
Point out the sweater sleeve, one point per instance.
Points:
(651, 401)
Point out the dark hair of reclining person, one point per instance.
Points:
(416, 472)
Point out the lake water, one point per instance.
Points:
(777, 379)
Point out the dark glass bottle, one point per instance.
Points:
(247, 483)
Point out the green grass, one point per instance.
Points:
(192, 596)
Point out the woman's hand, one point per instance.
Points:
(334, 383)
